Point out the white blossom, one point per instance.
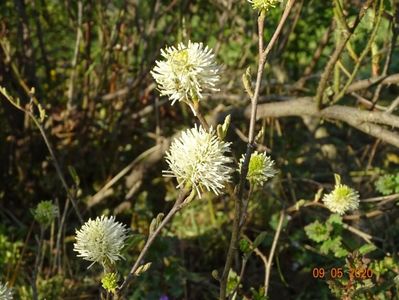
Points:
(342, 198)
(5, 292)
(197, 158)
(101, 240)
(186, 72)
(260, 168)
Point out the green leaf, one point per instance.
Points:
(259, 239)
(222, 129)
(317, 231)
(335, 246)
(326, 246)
(340, 252)
(258, 294)
(367, 248)
(387, 184)
(232, 281)
(74, 175)
(245, 246)
(334, 219)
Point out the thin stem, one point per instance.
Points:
(212, 211)
(273, 249)
(232, 248)
(263, 54)
(245, 206)
(242, 271)
(365, 236)
(200, 116)
(393, 106)
(37, 263)
(151, 238)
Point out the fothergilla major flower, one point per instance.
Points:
(186, 72)
(197, 158)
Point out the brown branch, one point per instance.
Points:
(367, 83)
(393, 105)
(356, 118)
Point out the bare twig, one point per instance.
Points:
(365, 236)
(272, 250)
(367, 83)
(151, 238)
(393, 105)
(263, 54)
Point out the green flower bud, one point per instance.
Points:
(45, 213)
(110, 282)
(260, 168)
(264, 4)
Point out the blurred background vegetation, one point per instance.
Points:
(88, 63)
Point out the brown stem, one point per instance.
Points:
(272, 250)
(361, 120)
(200, 116)
(151, 238)
(263, 54)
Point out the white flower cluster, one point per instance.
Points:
(5, 292)
(260, 168)
(101, 240)
(197, 159)
(341, 199)
(186, 72)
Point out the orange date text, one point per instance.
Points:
(337, 273)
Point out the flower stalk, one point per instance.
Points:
(263, 54)
(178, 205)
